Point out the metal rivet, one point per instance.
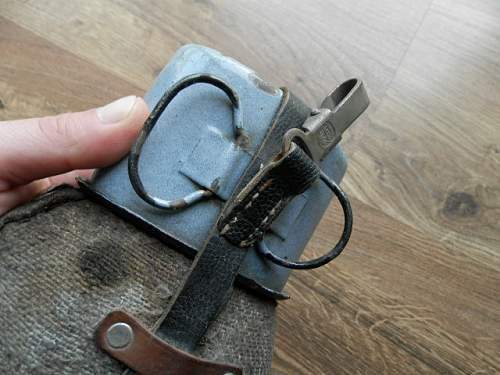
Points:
(119, 335)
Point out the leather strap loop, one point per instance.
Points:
(145, 353)
(260, 203)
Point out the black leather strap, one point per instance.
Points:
(267, 195)
(209, 284)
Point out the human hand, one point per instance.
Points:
(40, 153)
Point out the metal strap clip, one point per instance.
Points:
(324, 128)
(319, 134)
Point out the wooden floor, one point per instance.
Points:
(418, 289)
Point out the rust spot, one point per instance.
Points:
(215, 185)
(460, 205)
(243, 140)
(102, 264)
(178, 204)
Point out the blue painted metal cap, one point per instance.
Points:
(192, 146)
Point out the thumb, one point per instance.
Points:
(35, 148)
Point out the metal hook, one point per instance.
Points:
(133, 159)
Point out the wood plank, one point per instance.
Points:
(135, 40)
(430, 156)
(37, 78)
(395, 302)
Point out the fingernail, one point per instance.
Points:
(117, 110)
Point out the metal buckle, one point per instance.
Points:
(133, 160)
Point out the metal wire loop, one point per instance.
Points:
(133, 159)
(335, 251)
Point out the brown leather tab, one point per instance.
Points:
(148, 355)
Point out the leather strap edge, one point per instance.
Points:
(147, 354)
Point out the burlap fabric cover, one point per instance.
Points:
(65, 262)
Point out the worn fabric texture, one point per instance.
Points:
(65, 262)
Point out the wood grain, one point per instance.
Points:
(38, 78)
(396, 302)
(418, 289)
